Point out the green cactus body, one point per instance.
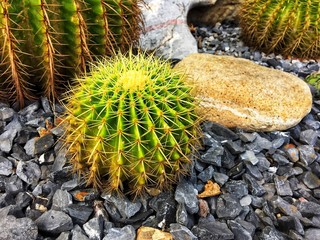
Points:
(289, 27)
(71, 29)
(131, 123)
(45, 42)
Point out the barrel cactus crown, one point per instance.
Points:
(288, 27)
(44, 42)
(131, 125)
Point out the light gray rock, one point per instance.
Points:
(126, 208)
(166, 30)
(94, 228)
(28, 172)
(125, 233)
(6, 140)
(181, 232)
(64, 236)
(61, 199)
(5, 166)
(186, 194)
(6, 113)
(78, 234)
(18, 228)
(312, 234)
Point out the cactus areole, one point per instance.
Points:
(131, 125)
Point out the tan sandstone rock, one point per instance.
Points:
(149, 233)
(236, 92)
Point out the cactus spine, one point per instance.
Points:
(131, 124)
(288, 27)
(45, 42)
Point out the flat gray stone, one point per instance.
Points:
(54, 222)
(212, 230)
(228, 207)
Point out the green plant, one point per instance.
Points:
(288, 27)
(131, 124)
(45, 42)
(314, 80)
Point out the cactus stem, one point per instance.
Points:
(49, 55)
(85, 52)
(15, 68)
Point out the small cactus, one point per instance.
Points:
(45, 42)
(288, 27)
(131, 124)
(314, 80)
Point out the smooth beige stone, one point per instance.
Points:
(236, 92)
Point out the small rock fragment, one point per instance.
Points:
(203, 208)
(43, 144)
(5, 166)
(180, 232)
(210, 189)
(311, 180)
(282, 186)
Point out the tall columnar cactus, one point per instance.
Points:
(131, 124)
(288, 27)
(43, 42)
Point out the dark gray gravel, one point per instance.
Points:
(270, 182)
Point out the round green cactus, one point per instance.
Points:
(314, 80)
(288, 27)
(131, 124)
(45, 42)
